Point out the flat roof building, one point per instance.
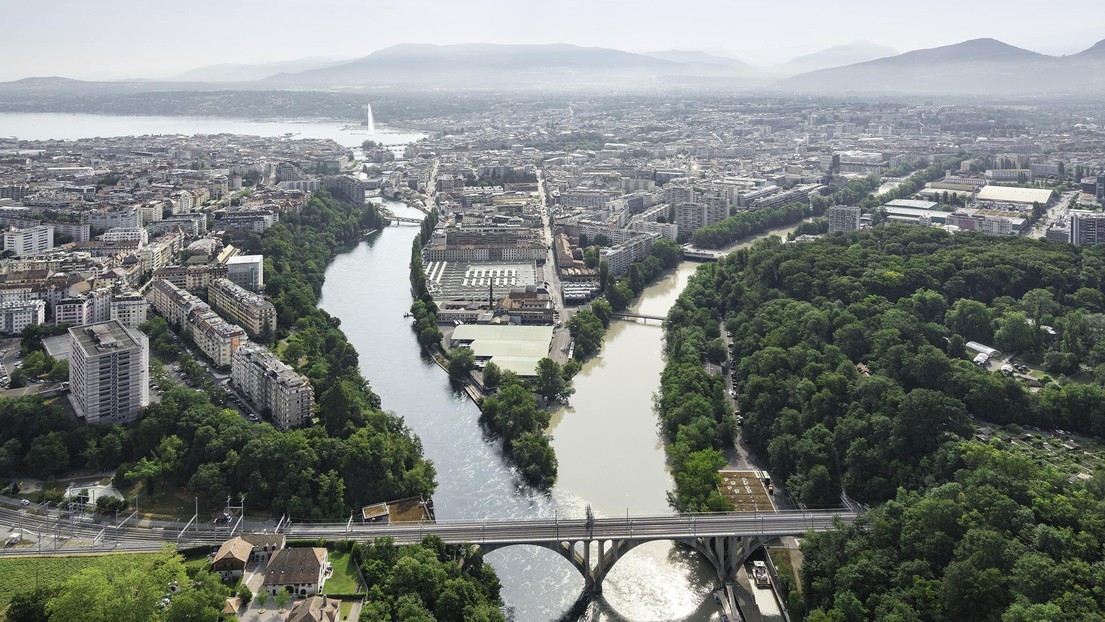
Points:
(29, 241)
(844, 218)
(1021, 196)
(108, 372)
(247, 271)
(513, 348)
(1087, 228)
(15, 315)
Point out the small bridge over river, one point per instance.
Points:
(403, 220)
(636, 317)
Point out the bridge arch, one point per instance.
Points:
(593, 558)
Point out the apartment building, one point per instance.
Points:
(249, 310)
(619, 257)
(108, 372)
(79, 232)
(247, 271)
(584, 198)
(127, 219)
(990, 225)
(29, 241)
(172, 302)
(216, 337)
(690, 217)
(130, 310)
(191, 278)
(1087, 228)
(272, 385)
(844, 218)
(347, 187)
(797, 194)
(161, 252)
(257, 221)
(15, 315)
(120, 234)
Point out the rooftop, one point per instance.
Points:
(513, 348)
(102, 338)
(1008, 194)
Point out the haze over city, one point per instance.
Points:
(120, 39)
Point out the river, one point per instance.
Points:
(607, 442)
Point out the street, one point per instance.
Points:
(1056, 213)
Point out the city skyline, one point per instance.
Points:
(120, 39)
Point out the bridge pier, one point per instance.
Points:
(725, 553)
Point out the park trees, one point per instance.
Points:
(514, 416)
(587, 331)
(553, 382)
(428, 581)
(461, 361)
(130, 589)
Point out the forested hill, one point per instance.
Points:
(974, 531)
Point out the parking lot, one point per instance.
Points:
(227, 395)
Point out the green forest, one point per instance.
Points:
(853, 377)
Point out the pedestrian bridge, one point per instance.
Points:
(594, 545)
(403, 220)
(636, 317)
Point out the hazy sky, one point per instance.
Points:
(111, 39)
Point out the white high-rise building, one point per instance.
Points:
(1086, 228)
(15, 315)
(109, 372)
(247, 271)
(29, 241)
(844, 218)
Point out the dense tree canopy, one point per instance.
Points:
(430, 581)
(852, 377)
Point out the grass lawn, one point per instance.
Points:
(346, 607)
(19, 573)
(1047, 448)
(346, 579)
(781, 559)
(196, 560)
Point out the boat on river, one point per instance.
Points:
(759, 574)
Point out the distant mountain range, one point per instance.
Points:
(858, 51)
(482, 66)
(238, 72)
(976, 67)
